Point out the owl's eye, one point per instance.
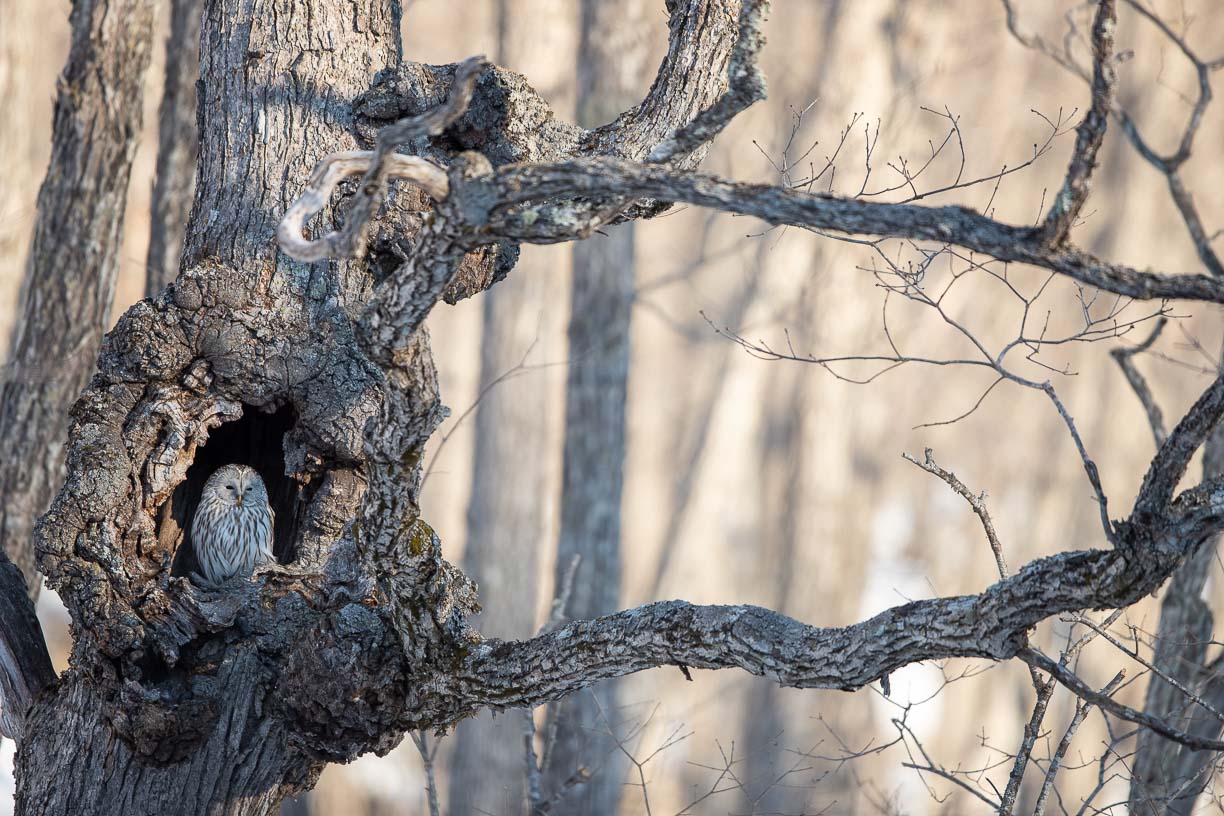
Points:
(230, 488)
(247, 489)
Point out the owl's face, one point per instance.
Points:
(236, 486)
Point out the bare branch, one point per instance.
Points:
(1103, 701)
(521, 200)
(1070, 200)
(332, 169)
(976, 502)
(1169, 165)
(378, 166)
(1081, 711)
(1122, 356)
(1032, 729)
(421, 740)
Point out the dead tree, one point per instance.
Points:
(318, 372)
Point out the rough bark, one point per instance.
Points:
(74, 259)
(177, 142)
(160, 673)
(320, 376)
(515, 432)
(521, 193)
(611, 58)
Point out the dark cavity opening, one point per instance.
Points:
(257, 440)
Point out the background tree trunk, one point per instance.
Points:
(19, 59)
(72, 264)
(177, 144)
(775, 549)
(507, 518)
(1169, 778)
(612, 64)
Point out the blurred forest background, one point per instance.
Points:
(754, 481)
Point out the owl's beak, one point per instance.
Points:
(239, 499)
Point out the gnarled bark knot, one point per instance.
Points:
(334, 168)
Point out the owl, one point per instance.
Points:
(232, 528)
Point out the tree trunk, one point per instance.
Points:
(19, 58)
(1167, 777)
(611, 64)
(177, 143)
(319, 375)
(263, 134)
(73, 262)
(515, 433)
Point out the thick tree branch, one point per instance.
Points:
(745, 86)
(991, 625)
(522, 200)
(1171, 461)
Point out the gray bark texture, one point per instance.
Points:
(70, 273)
(224, 700)
(582, 729)
(177, 143)
(216, 702)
